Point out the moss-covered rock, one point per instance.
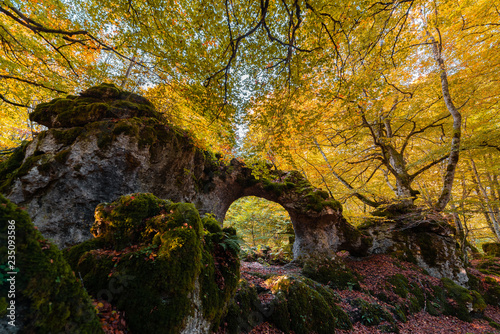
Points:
(492, 291)
(245, 310)
(455, 300)
(421, 237)
(132, 219)
(491, 248)
(45, 283)
(304, 306)
(331, 272)
(9, 168)
(94, 104)
(372, 314)
(489, 265)
(179, 274)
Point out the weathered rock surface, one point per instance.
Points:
(95, 151)
(421, 237)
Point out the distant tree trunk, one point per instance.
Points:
(489, 207)
(127, 74)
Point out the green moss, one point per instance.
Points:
(128, 127)
(463, 300)
(392, 210)
(62, 156)
(241, 312)
(398, 312)
(400, 285)
(56, 299)
(300, 308)
(492, 293)
(9, 166)
(211, 224)
(333, 273)
(491, 248)
(66, 137)
(372, 314)
(104, 90)
(3, 306)
(495, 325)
(219, 276)
(123, 222)
(74, 253)
(94, 104)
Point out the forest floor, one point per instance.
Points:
(374, 270)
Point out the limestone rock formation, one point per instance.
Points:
(169, 270)
(421, 237)
(106, 143)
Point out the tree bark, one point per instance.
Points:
(453, 157)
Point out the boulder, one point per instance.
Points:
(169, 270)
(39, 291)
(421, 237)
(491, 248)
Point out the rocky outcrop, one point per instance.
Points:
(420, 237)
(106, 143)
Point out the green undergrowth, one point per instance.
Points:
(56, 300)
(372, 314)
(158, 254)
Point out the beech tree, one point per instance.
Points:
(378, 98)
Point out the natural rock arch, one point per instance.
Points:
(107, 142)
(320, 228)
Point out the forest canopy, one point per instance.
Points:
(372, 101)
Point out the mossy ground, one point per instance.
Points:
(160, 250)
(45, 282)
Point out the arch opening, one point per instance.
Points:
(265, 227)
